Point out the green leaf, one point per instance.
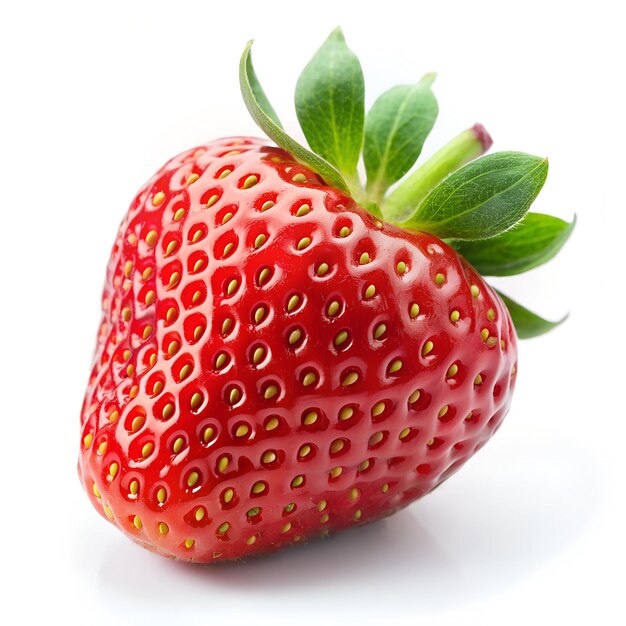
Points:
(482, 199)
(395, 130)
(330, 104)
(527, 324)
(265, 121)
(259, 94)
(532, 242)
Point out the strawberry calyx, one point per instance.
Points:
(478, 204)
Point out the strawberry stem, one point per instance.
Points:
(465, 147)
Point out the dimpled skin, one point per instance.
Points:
(274, 363)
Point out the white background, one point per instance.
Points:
(94, 96)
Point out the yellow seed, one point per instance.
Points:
(130, 370)
(379, 331)
(478, 380)
(297, 481)
(491, 315)
(370, 291)
(147, 449)
(305, 450)
(242, 430)
(199, 264)
(114, 416)
(133, 487)
(272, 423)
(113, 469)
(378, 408)
(189, 543)
(232, 287)
(350, 378)
(96, 491)
(310, 418)
(303, 243)
(196, 400)
(405, 433)
(321, 505)
(309, 379)
(294, 336)
(125, 314)
(251, 540)
(212, 200)
(414, 397)
(102, 448)
(108, 512)
(151, 238)
(454, 316)
(227, 217)
(337, 446)
(185, 370)
(354, 494)
(363, 466)
(303, 209)
(474, 291)
(322, 269)
(192, 178)
(168, 411)
(228, 248)
(452, 370)
(357, 514)
(294, 301)
(200, 513)
(267, 205)
(336, 471)
(260, 240)
(171, 314)
(253, 512)
(401, 267)
(193, 478)
(270, 391)
(375, 439)
(269, 456)
(234, 395)
(161, 495)
(158, 198)
(286, 528)
(364, 258)
(178, 445)
(163, 528)
(229, 494)
(158, 388)
(87, 440)
(150, 296)
(427, 347)
(443, 410)
(174, 279)
(440, 279)
(207, 434)
(299, 178)
(258, 487)
(258, 355)
(346, 413)
(224, 174)
(324, 518)
(484, 333)
(344, 232)
(502, 344)
(259, 314)
(333, 308)
(137, 522)
(153, 359)
(146, 274)
(171, 246)
(197, 236)
(180, 213)
(173, 347)
(395, 366)
(251, 181)
(227, 325)
(220, 360)
(128, 268)
(222, 464)
(341, 337)
(385, 488)
(264, 275)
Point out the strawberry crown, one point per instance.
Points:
(477, 204)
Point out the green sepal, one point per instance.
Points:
(396, 128)
(527, 324)
(482, 199)
(329, 98)
(531, 243)
(265, 121)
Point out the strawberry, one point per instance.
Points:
(284, 353)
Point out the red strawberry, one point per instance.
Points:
(275, 362)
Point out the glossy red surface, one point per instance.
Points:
(199, 439)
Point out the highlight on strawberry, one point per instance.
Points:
(287, 350)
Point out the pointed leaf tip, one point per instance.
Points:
(528, 324)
